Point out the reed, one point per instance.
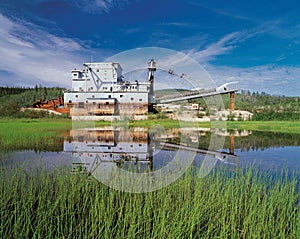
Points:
(224, 204)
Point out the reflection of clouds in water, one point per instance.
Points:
(267, 151)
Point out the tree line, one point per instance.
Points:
(12, 99)
(264, 106)
(269, 107)
(12, 90)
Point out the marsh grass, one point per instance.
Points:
(37, 134)
(224, 204)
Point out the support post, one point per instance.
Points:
(232, 94)
(231, 144)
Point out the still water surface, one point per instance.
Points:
(87, 150)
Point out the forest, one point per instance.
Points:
(264, 106)
(267, 107)
(12, 99)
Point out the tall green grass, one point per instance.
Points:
(237, 204)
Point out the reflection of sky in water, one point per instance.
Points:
(271, 158)
(45, 160)
(163, 158)
(267, 159)
(260, 153)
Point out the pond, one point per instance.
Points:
(99, 150)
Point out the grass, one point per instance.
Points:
(266, 126)
(148, 123)
(168, 123)
(40, 134)
(236, 204)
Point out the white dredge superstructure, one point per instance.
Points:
(99, 89)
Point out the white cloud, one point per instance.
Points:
(223, 46)
(177, 24)
(98, 6)
(274, 79)
(33, 55)
(89, 6)
(268, 78)
(186, 72)
(30, 55)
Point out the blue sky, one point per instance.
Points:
(254, 42)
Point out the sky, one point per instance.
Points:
(256, 43)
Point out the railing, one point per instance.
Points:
(223, 89)
(230, 86)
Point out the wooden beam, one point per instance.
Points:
(232, 95)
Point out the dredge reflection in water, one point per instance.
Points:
(142, 150)
(148, 150)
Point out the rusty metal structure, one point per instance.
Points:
(53, 105)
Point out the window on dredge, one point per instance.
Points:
(80, 138)
(81, 104)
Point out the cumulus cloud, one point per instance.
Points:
(32, 55)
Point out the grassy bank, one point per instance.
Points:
(38, 134)
(239, 204)
(266, 126)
